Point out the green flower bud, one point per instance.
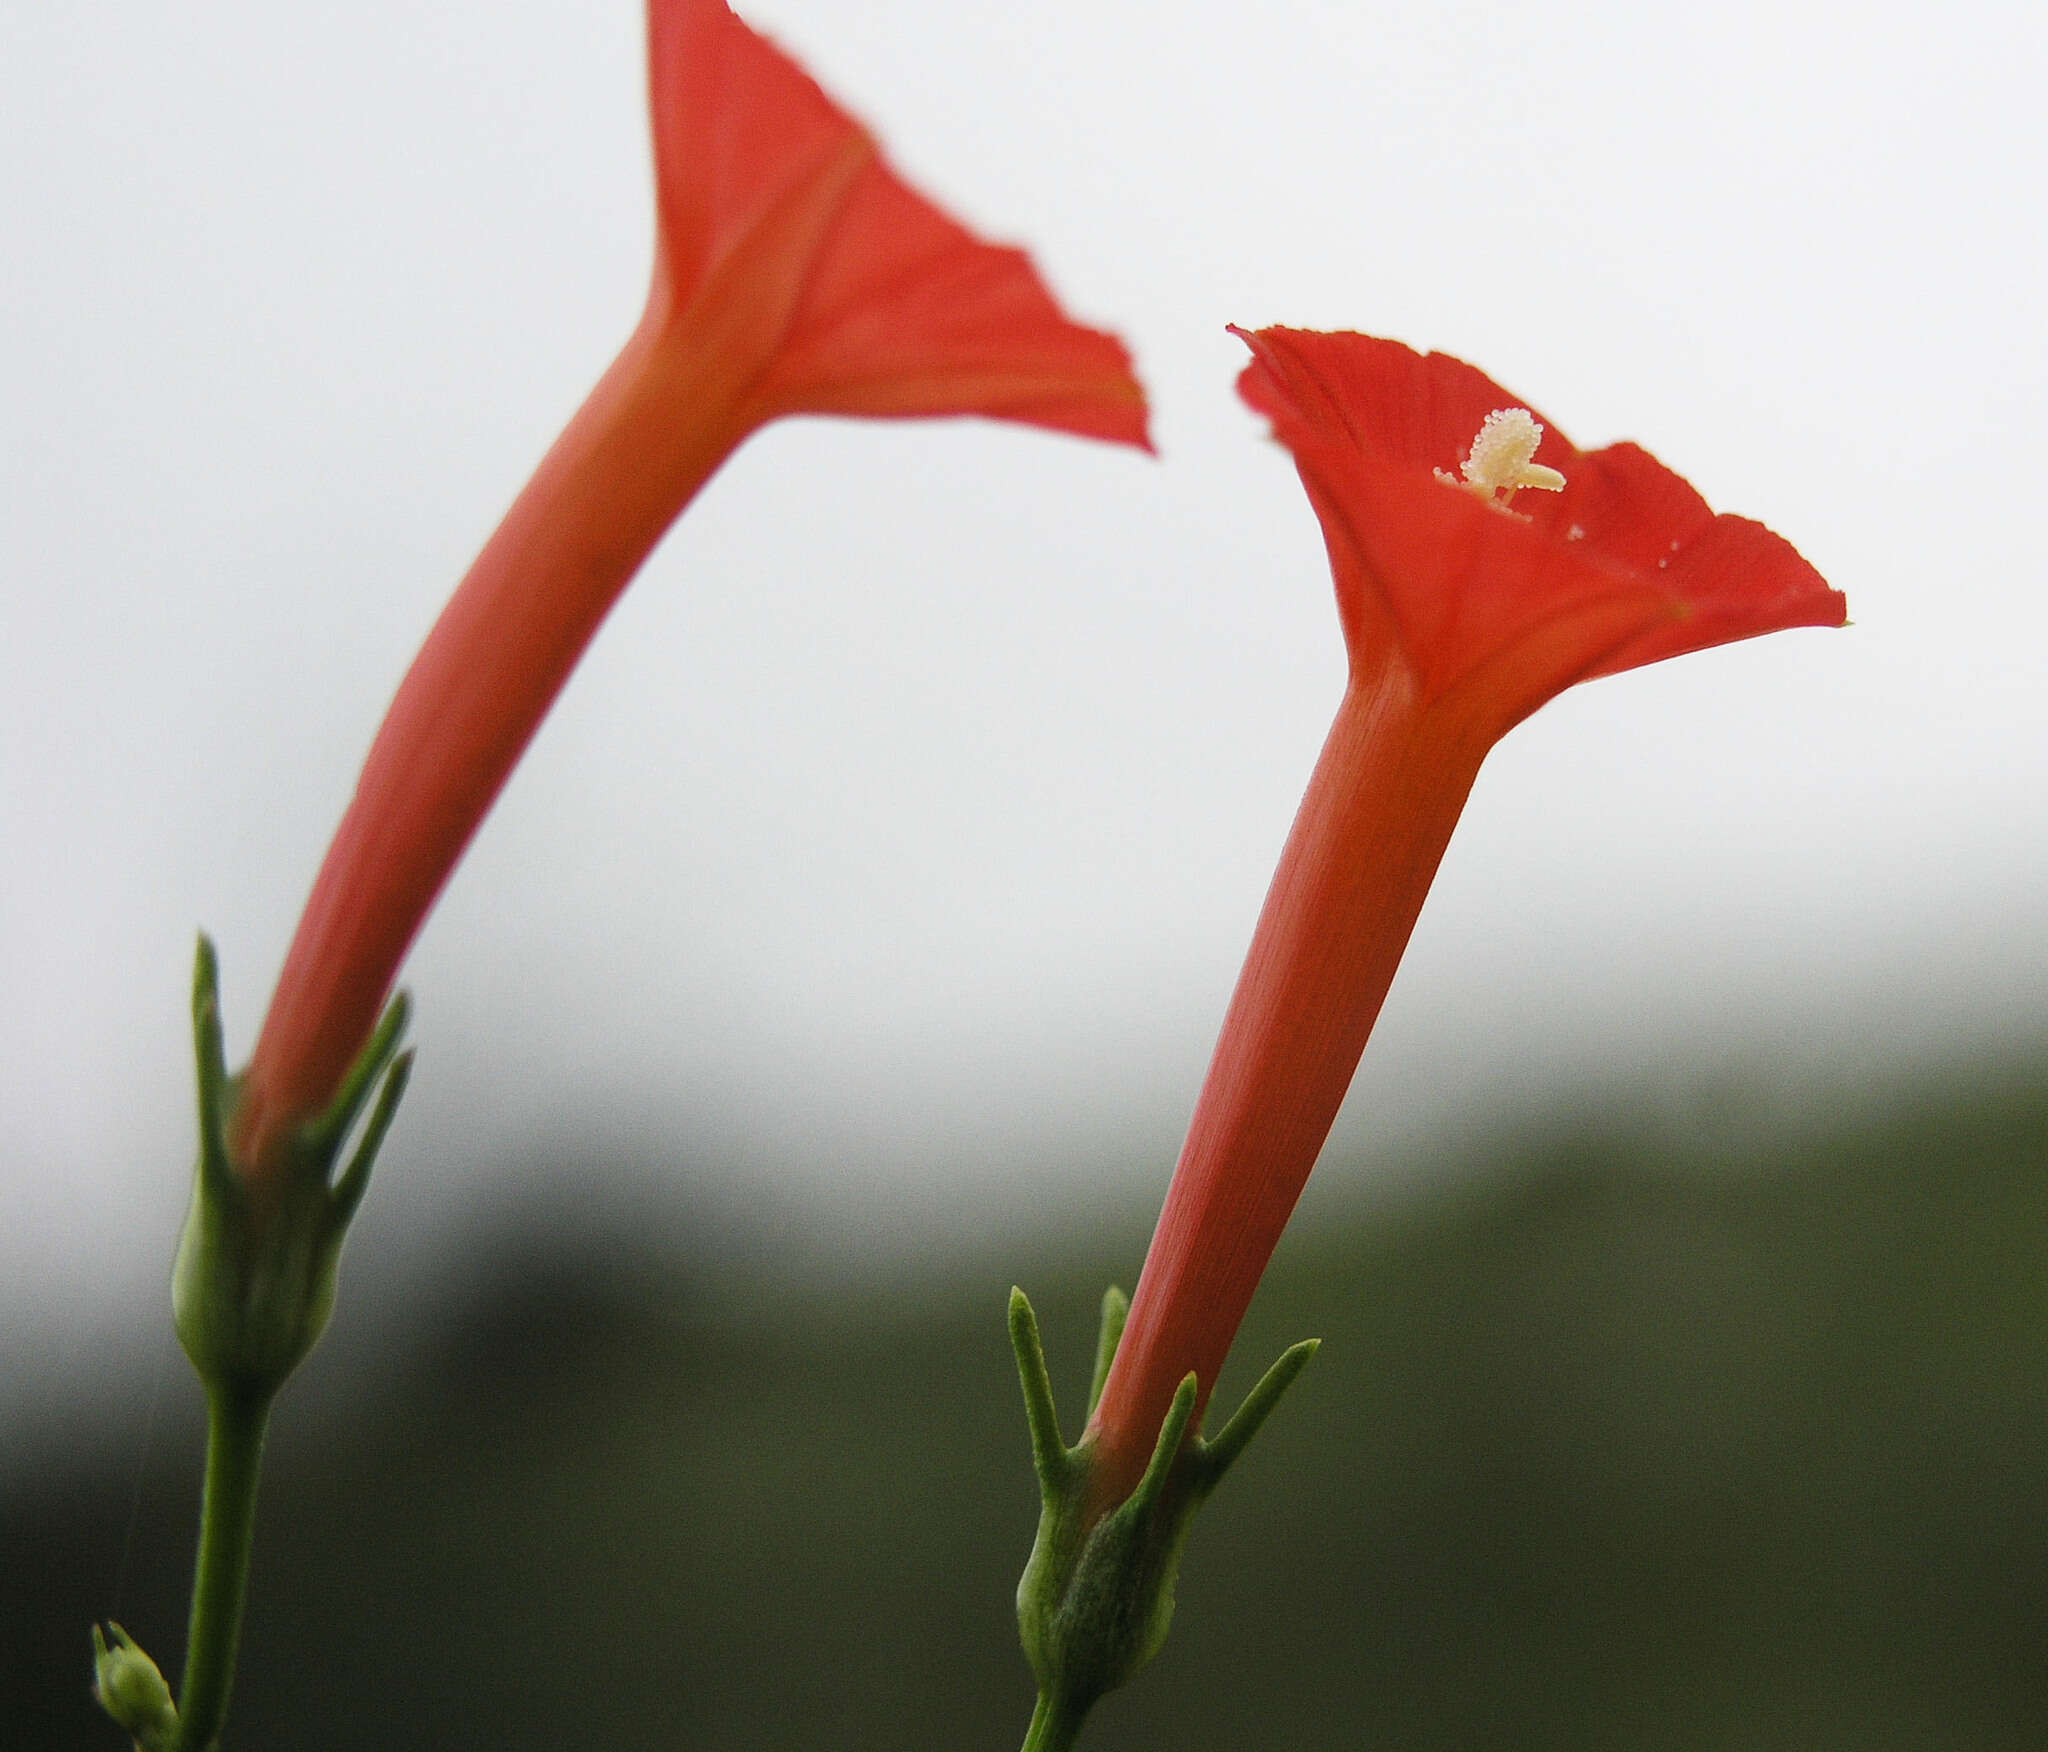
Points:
(131, 1690)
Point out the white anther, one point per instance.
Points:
(1503, 459)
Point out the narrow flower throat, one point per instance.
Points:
(1502, 460)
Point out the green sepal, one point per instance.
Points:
(131, 1690)
(1096, 1598)
(1116, 1309)
(254, 1282)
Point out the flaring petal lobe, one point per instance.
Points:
(895, 308)
(1414, 410)
(1626, 565)
(736, 124)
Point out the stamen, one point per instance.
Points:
(1502, 459)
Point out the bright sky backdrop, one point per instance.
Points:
(894, 850)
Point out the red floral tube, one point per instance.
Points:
(794, 272)
(1482, 566)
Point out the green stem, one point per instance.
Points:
(236, 1423)
(1055, 1726)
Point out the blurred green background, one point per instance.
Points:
(1716, 1431)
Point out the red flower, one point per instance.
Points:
(1482, 566)
(794, 273)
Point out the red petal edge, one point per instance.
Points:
(900, 310)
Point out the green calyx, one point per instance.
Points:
(250, 1296)
(132, 1691)
(1096, 1598)
(254, 1282)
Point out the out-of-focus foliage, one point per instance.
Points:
(1626, 1443)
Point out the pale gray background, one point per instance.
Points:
(893, 852)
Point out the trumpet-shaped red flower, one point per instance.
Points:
(794, 272)
(1482, 566)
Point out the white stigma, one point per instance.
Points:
(1502, 460)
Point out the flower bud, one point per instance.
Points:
(132, 1690)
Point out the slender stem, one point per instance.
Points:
(236, 1423)
(1055, 1725)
